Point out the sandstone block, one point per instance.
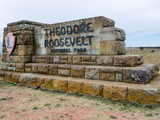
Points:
(143, 96)
(22, 80)
(64, 72)
(40, 81)
(112, 47)
(22, 50)
(92, 89)
(56, 59)
(86, 58)
(31, 81)
(70, 59)
(75, 87)
(105, 60)
(140, 75)
(49, 83)
(43, 69)
(60, 85)
(49, 59)
(78, 71)
(112, 33)
(25, 40)
(34, 68)
(2, 79)
(30, 50)
(20, 67)
(107, 76)
(15, 78)
(53, 69)
(16, 59)
(77, 59)
(8, 77)
(128, 60)
(92, 72)
(115, 93)
(64, 57)
(28, 70)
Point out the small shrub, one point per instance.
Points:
(35, 108)
(141, 48)
(57, 105)
(152, 51)
(149, 114)
(113, 117)
(48, 104)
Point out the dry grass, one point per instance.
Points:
(22, 103)
(149, 57)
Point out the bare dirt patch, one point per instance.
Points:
(22, 103)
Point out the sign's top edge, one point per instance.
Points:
(43, 24)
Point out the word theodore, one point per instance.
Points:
(82, 28)
(71, 40)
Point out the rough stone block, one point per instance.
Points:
(53, 69)
(8, 77)
(31, 81)
(49, 59)
(40, 81)
(70, 59)
(92, 89)
(78, 71)
(34, 68)
(112, 33)
(16, 59)
(15, 78)
(105, 60)
(139, 75)
(20, 67)
(56, 59)
(115, 93)
(22, 50)
(25, 40)
(60, 85)
(86, 58)
(2, 79)
(22, 80)
(107, 76)
(128, 60)
(143, 96)
(49, 83)
(112, 47)
(64, 72)
(77, 59)
(92, 72)
(75, 87)
(43, 69)
(64, 57)
(30, 50)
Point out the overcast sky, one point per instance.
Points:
(139, 18)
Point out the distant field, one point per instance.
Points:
(151, 55)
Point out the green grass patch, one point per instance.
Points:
(62, 99)
(6, 98)
(35, 108)
(149, 115)
(48, 104)
(57, 105)
(113, 117)
(123, 108)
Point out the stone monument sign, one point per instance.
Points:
(78, 56)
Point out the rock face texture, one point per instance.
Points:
(78, 56)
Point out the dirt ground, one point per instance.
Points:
(23, 103)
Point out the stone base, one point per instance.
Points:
(141, 74)
(117, 91)
(103, 60)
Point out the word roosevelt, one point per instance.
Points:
(69, 40)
